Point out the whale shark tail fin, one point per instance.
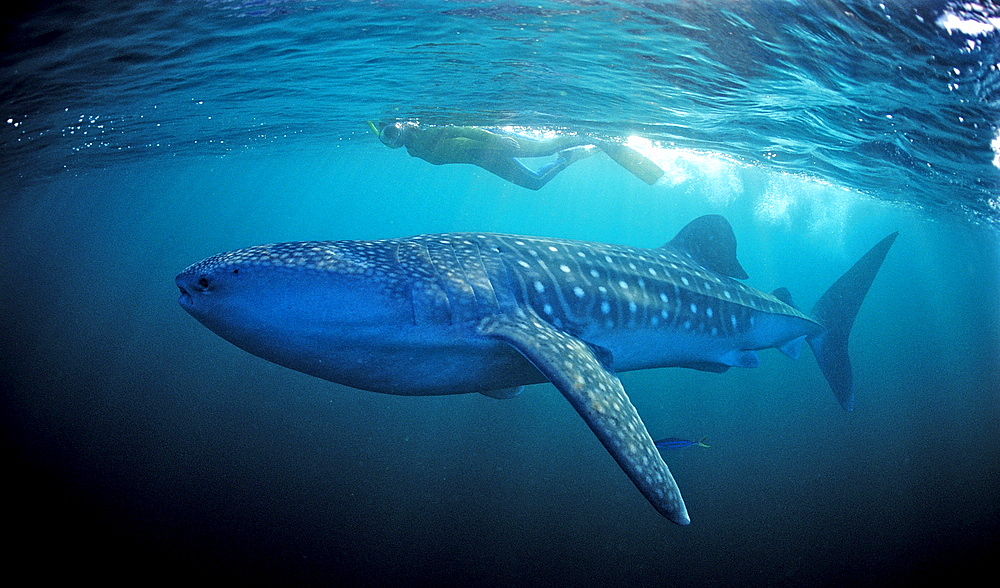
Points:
(836, 311)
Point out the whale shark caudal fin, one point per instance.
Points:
(836, 311)
(598, 396)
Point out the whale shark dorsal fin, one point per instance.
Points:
(784, 295)
(710, 241)
(598, 396)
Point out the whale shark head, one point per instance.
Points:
(293, 293)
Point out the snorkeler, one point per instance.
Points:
(498, 153)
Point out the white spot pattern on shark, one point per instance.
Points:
(480, 312)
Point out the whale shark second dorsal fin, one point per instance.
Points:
(710, 241)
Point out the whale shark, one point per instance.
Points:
(490, 313)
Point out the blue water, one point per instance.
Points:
(138, 138)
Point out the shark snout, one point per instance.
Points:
(191, 285)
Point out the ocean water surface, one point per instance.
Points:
(140, 137)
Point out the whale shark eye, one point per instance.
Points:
(203, 283)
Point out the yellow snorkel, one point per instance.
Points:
(373, 127)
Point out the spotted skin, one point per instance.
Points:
(598, 396)
(614, 295)
(480, 312)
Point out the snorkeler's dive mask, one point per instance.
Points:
(392, 134)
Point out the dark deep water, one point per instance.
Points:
(141, 137)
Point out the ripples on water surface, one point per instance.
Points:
(897, 99)
(139, 137)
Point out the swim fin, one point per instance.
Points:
(636, 163)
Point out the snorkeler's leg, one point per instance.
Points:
(575, 154)
(528, 147)
(515, 172)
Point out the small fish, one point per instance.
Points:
(675, 443)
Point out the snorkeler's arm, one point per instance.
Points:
(476, 134)
(439, 145)
(482, 137)
(476, 138)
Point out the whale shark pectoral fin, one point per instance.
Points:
(503, 393)
(740, 358)
(598, 396)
